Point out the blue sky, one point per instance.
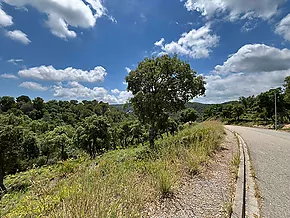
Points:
(82, 49)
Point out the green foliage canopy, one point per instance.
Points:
(162, 86)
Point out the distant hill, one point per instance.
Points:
(199, 107)
(121, 107)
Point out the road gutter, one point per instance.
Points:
(245, 202)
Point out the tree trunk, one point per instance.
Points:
(126, 143)
(90, 149)
(62, 152)
(47, 157)
(152, 135)
(93, 149)
(2, 187)
(132, 141)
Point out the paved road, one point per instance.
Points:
(270, 151)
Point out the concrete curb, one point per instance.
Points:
(239, 202)
(245, 203)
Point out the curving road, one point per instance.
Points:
(270, 151)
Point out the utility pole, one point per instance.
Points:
(275, 111)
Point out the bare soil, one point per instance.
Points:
(206, 194)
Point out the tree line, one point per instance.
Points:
(259, 109)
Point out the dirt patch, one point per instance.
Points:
(206, 195)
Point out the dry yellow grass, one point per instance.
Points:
(118, 184)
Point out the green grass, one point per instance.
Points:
(120, 183)
(227, 210)
(235, 164)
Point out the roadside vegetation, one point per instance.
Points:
(236, 164)
(236, 160)
(34, 133)
(255, 110)
(89, 159)
(120, 183)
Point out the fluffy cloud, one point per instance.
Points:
(5, 19)
(235, 9)
(253, 58)
(283, 28)
(64, 13)
(19, 36)
(100, 10)
(123, 96)
(59, 27)
(253, 69)
(33, 86)
(75, 90)
(195, 44)
(15, 61)
(49, 73)
(128, 69)
(9, 76)
(160, 42)
(220, 88)
(115, 91)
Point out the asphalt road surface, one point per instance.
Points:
(270, 151)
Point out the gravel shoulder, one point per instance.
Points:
(208, 193)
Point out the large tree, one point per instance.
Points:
(160, 86)
(287, 89)
(57, 142)
(93, 135)
(188, 115)
(16, 146)
(6, 103)
(265, 103)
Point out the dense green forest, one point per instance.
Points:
(258, 109)
(199, 107)
(35, 133)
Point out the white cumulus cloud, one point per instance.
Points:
(19, 36)
(253, 69)
(33, 86)
(223, 88)
(75, 90)
(15, 61)
(196, 44)
(59, 27)
(128, 69)
(235, 9)
(256, 58)
(9, 76)
(115, 91)
(49, 73)
(5, 19)
(283, 28)
(96, 5)
(63, 14)
(124, 96)
(160, 42)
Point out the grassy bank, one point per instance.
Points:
(121, 183)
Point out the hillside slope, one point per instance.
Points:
(199, 107)
(118, 184)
